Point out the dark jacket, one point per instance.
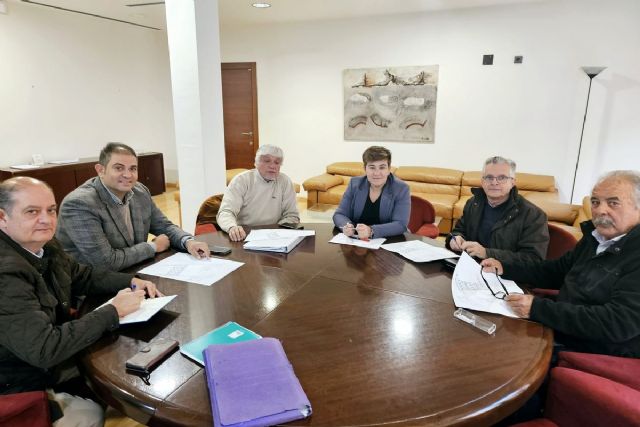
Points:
(395, 206)
(521, 235)
(598, 307)
(36, 331)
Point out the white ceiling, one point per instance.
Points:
(240, 12)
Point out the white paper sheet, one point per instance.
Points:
(469, 290)
(148, 308)
(276, 233)
(345, 240)
(25, 167)
(281, 245)
(419, 251)
(184, 267)
(63, 162)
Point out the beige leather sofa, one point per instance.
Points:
(446, 189)
(568, 216)
(440, 186)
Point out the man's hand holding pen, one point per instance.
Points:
(474, 249)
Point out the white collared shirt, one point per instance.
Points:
(603, 243)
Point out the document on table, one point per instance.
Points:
(275, 239)
(419, 251)
(148, 308)
(277, 233)
(470, 291)
(186, 268)
(342, 239)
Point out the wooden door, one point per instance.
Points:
(240, 111)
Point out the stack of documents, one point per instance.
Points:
(275, 240)
(228, 333)
(252, 383)
(419, 251)
(470, 291)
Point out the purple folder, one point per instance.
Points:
(252, 383)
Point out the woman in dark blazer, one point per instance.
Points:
(377, 204)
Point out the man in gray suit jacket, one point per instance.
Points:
(106, 221)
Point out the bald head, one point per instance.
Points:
(28, 212)
(9, 187)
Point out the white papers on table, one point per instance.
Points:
(342, 239)
(419, 251)
(148, 308)
(63, 162)
(25, 167)
(277, 233)
(184, 267)
(275, 239)
(469, 290)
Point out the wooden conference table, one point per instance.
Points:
(370, 335)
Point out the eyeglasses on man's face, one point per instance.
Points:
(500, 178)
(499, 294)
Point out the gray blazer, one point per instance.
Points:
(92, 230)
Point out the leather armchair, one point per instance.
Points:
(422, 218)
(592, 390)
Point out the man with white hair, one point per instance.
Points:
(598, 307)
(259, 196)
(499, 223)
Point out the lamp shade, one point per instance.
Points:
(592, 71)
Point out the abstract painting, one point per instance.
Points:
(390, 104)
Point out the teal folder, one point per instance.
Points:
(228, 333)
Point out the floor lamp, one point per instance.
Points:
(591, 72)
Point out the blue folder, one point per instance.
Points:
(252, 384)
(228, 333)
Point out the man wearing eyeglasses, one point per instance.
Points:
(499, 223)
(598, 307)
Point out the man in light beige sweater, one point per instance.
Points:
(260, 196)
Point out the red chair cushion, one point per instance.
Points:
(577, 399)
(30, 409)
(204, 228)
(428, 230)
(560, 242)
(422, 213)
(623, 370)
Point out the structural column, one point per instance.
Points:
(194, 53)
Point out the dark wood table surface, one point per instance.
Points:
(370, 335)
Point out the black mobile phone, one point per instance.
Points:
(219, 250)
(450, 263)
(149, 356)
(292, 225)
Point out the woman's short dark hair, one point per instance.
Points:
(376, 153)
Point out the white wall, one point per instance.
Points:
(531, 112)
(69, 83)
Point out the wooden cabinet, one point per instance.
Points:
(65, 178)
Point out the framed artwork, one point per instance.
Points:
(390, 104)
